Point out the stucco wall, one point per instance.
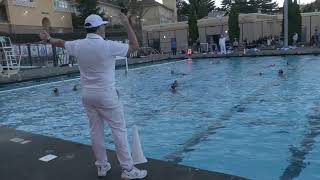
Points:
(33, 16)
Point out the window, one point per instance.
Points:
(61, 4)
(28, 3)
(164, 20)
(24, 1)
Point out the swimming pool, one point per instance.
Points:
(224, 116)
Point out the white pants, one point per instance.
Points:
(223, 49)
(104, 106)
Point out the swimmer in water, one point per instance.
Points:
(75, 88)
(174, 86)
(280, 72)
(56, 91)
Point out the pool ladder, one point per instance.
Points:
(9, 61)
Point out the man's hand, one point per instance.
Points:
(44, 36)
(133, 42)
(124, 19)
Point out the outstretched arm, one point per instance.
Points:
(44, 36)
(133, 41)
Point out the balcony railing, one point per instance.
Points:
(26, 3)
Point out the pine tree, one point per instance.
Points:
(86, 8)
(294, 20)
(182, 9)
(268, 7)
(251, 6)
(242, 6)
(226, 5)
(201, 7)
(311, 7)
(233, 22)
(193, 24)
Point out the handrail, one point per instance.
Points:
(11, 61)
(126, 60)
(154, 51)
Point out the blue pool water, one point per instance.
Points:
(224, 117)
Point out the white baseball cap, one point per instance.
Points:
(93, 21)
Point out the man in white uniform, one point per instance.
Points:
(96, 59)
(222, 44)
(295, 38)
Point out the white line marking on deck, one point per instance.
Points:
(16, 140)
(25, 142)
(48, 158)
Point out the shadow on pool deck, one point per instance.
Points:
(75, 161)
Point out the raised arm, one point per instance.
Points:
(133, 41)
(44, 36)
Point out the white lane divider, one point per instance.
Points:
(160, 64)
(38, 85)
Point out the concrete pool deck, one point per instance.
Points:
(19, 160)
(40, 73)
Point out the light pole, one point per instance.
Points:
(285, 7)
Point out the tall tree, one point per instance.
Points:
(233, 22)
(182, 10)
(266, 6)
(192, 22)
(136, 12)
(86, 8)
(241, 5)
(201, 7)
(311, 7)
(294, 20)
(269, 7)
(226, 5)
(251, 6)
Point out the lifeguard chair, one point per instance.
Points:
(9, 60)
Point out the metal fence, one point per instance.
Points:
(42, 55)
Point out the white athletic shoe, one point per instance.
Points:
(135, 173)
(103, 169)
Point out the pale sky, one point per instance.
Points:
(280, 2)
